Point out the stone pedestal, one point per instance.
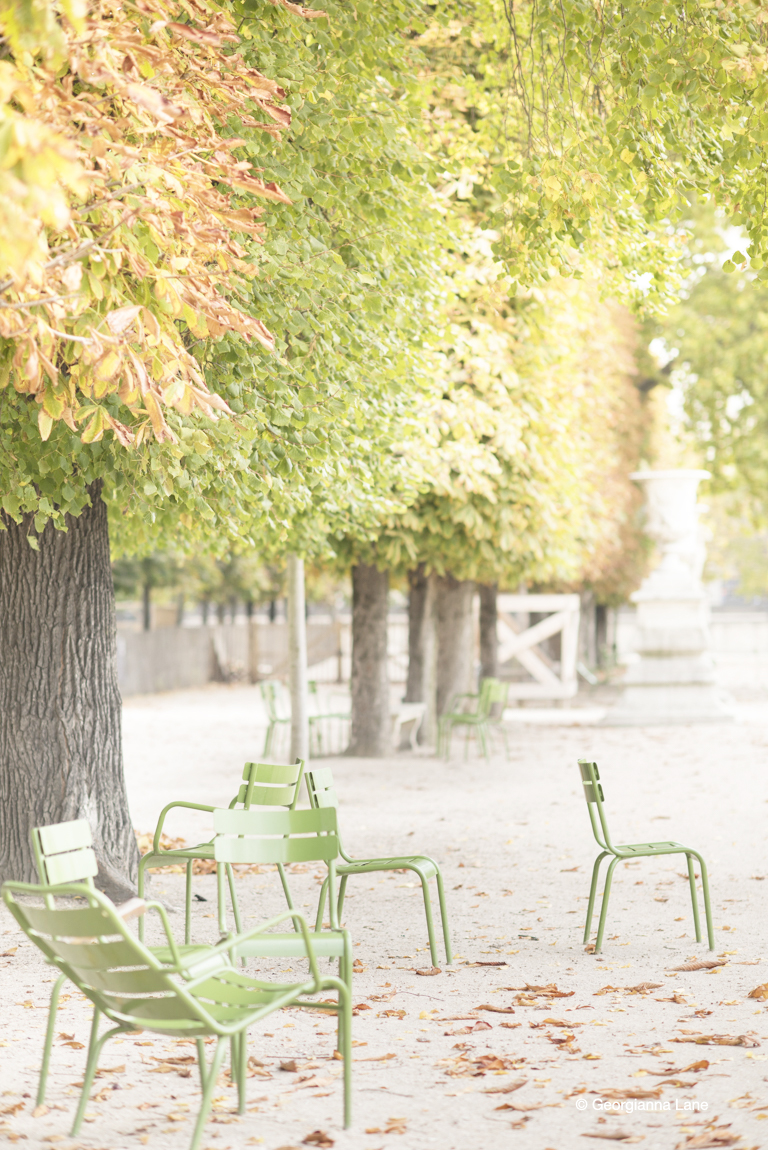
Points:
(674, 680)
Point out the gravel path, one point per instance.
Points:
(434, 1067)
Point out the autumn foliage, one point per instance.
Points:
(124, 208)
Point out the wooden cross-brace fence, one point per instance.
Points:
(550, 680)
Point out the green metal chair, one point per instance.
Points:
(196, 996)
(319, 719)
(251, 836)
(478, 714)
(278, 706)
(322, 796)
(264, 784)
(64, 854)
(593, 793)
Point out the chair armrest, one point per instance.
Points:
(159, 829)
(231, 942)
(133, 908)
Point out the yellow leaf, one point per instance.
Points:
(44, 423)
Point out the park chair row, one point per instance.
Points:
(132, 985)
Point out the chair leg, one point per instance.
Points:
(210, 1082)
(188, 904)
(592, 892)
(142, 870)
(340, 900)
(604, 906)
(220, 897)
(49, 1039)
(268, 738)
(694, 900)
(237, 1046)
(430, 924)
(95, 1046)
(233, 896)
(345, 1011)
(321, 904)
(444, 918)
(707, 905)
(286, 889)
(482, 730)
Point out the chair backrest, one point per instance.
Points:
(251, 836)
(320, 788)
(593, 793)
(493, 698)
(94, 948)
(270, 784)
(64, 853)
(276, 699)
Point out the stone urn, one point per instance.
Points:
(673, 679)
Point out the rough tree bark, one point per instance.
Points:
(60, 709)
(489, 647)
(420, 685)
(418, 587)
(455, 656)
(371, 723)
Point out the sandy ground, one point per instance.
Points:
(431, 1069)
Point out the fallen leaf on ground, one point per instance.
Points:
(479, 1025)
(9, 952)
(291, 1065)
(701, 964)
(694, 1067)
(496, 962)
(374, 1057)
(616, 1136)
(508, 1087)
(318, 1138)
(629, 1092)
(641, 988)
(393, 1126)
(391, 1014)
(760, 992)
(556, 1022)
(525, 1107)
(429, 971)
(496, 1009)
(39, 1111)
(548, 991)
(510, 1025)
(719, 1040)
(712, 1138)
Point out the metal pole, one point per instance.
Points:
(297, 660)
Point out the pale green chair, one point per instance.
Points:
(264, 784)
(593, 793)
(251, 836)
(478, 714)
(322, 796)
(195, 996)
(64, 854)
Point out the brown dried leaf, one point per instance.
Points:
(760, 992)
(318, 1138)
(701, 964)
(428, 972)
(508, 1087)
(496, 1009)
(719, 1040)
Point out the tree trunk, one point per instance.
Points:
(455, 655)
(146, 605)
(489, 647)
(60, 709)
(371, 723)
(417, 633)
(297, 660)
